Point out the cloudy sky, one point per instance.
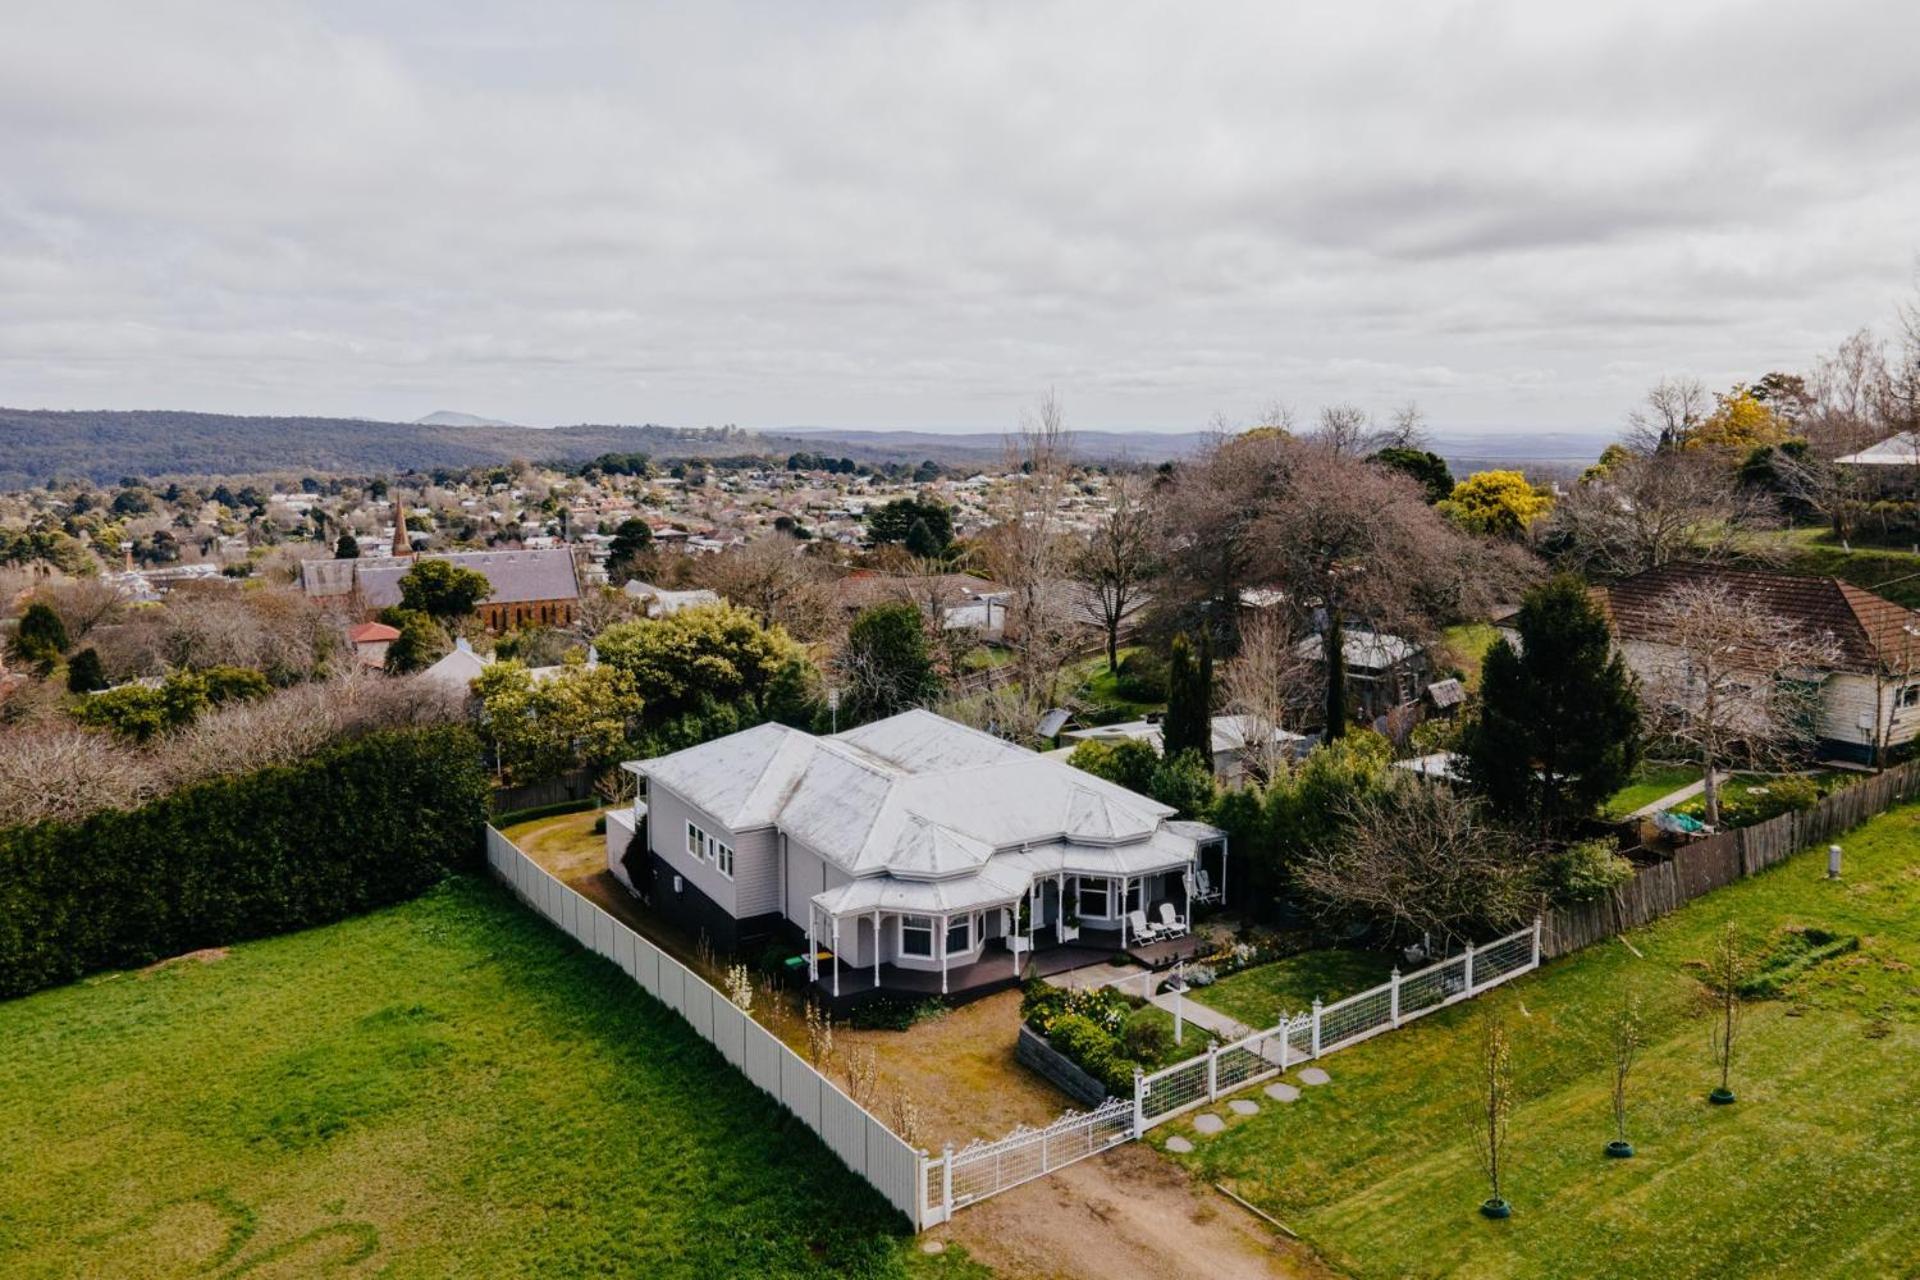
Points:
(894, 215)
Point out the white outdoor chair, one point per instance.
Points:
(1171, 925)
(1203, 886)
(1138, 930)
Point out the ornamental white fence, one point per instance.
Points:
(1319, 1031)
(865, 1145)
(958, 1178)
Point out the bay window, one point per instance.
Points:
(959, 934)
(916, 936)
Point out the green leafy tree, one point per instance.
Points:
(1185, 782)
(348, 548)
(140, 712)
(577, 717)
(632, 540)
(894, 523)
(40, 638)
(421, 642)
(1189, 722)
(1428, 469)
(85, 673)
(887, 662)
(922, 541)
(712, 654)
(1558, 725)
(1128, 763)
(443, 590)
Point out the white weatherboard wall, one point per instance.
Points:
(864, 1145)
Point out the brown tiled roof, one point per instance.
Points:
(1870, 630)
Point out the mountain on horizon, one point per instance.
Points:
(451, 418)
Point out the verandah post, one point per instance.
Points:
(1393, 996)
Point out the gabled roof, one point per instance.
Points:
(1899, 450)
(1870, 630)
(517, 576)
(372, 633)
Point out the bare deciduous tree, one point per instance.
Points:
(1267, 682)
(1673, 409)
(1117, 558)
(1731, 681)
(774, 578)
(1653, 508)
(1493, 1114)
(1345, 430)
(1626, 1038)
(1422, 860)
(1726, 969)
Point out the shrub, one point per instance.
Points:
(1127, 763)
(1146, 1039)
(1142, 677)
(1094, 1051)
(358, 826)
(1588, 871)
(513, 817)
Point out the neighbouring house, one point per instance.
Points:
(1231, 737)
(912, 854)
(1447, 696)
(530, 587)
(662, 603)
(1383, 671)
(958, 599)
(1870, 698)
(369, 641)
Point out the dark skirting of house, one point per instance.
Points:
(672, 894)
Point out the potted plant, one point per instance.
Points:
(1070, 925)
(1626, 1046)
(1495, 1070)
(1726, 970)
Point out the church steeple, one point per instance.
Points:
(401, 545)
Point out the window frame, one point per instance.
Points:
(1104, 886)
(969, 926)
(924, 926)
(696, 842)
(720, 853)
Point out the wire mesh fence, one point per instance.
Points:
(1226, 1068)
(981, 1169)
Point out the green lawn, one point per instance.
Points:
(444, 1088)
(1092, 683)
(1260, 995)
(1650, 782)
(1468, 644)
(1813, 1173)
(1893, 573)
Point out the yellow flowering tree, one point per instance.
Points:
(1496, 502)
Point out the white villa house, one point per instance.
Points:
(913, 854)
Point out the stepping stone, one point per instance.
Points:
(1314, 1075)
(934, 1247)
(1245, 1107)
(1179, 1145)
(1283, 1092)
(1209, 1123)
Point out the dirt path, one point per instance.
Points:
(1127, 1213)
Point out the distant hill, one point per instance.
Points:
(37, 445)
(449, 418)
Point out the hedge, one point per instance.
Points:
(361, 825)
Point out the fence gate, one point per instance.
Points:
(978, 1170)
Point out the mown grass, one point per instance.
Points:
(1260, 996)
(1650, 782)
(1814, 1172)
(1468, 645)
(443, 1088)
(1098, 687)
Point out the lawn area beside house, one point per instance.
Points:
(1812, 1173)
(1468, 645)
(1650, 782)
(1261, 995)
(1098, 687)
(446, 1087)
(565, 844)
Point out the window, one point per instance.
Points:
(722, 855)
(1094, 899)
(696, 842)
(1910, 696)
(1133, 895)
(959, 934)
(916, 936)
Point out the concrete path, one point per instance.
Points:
(1224, 1029)
(1681, 796)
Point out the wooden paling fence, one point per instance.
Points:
(1719, 860)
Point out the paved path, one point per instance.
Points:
(1191, 1010)
(1681, 796)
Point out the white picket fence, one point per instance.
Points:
(1319, 1031)
(865, 1145)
